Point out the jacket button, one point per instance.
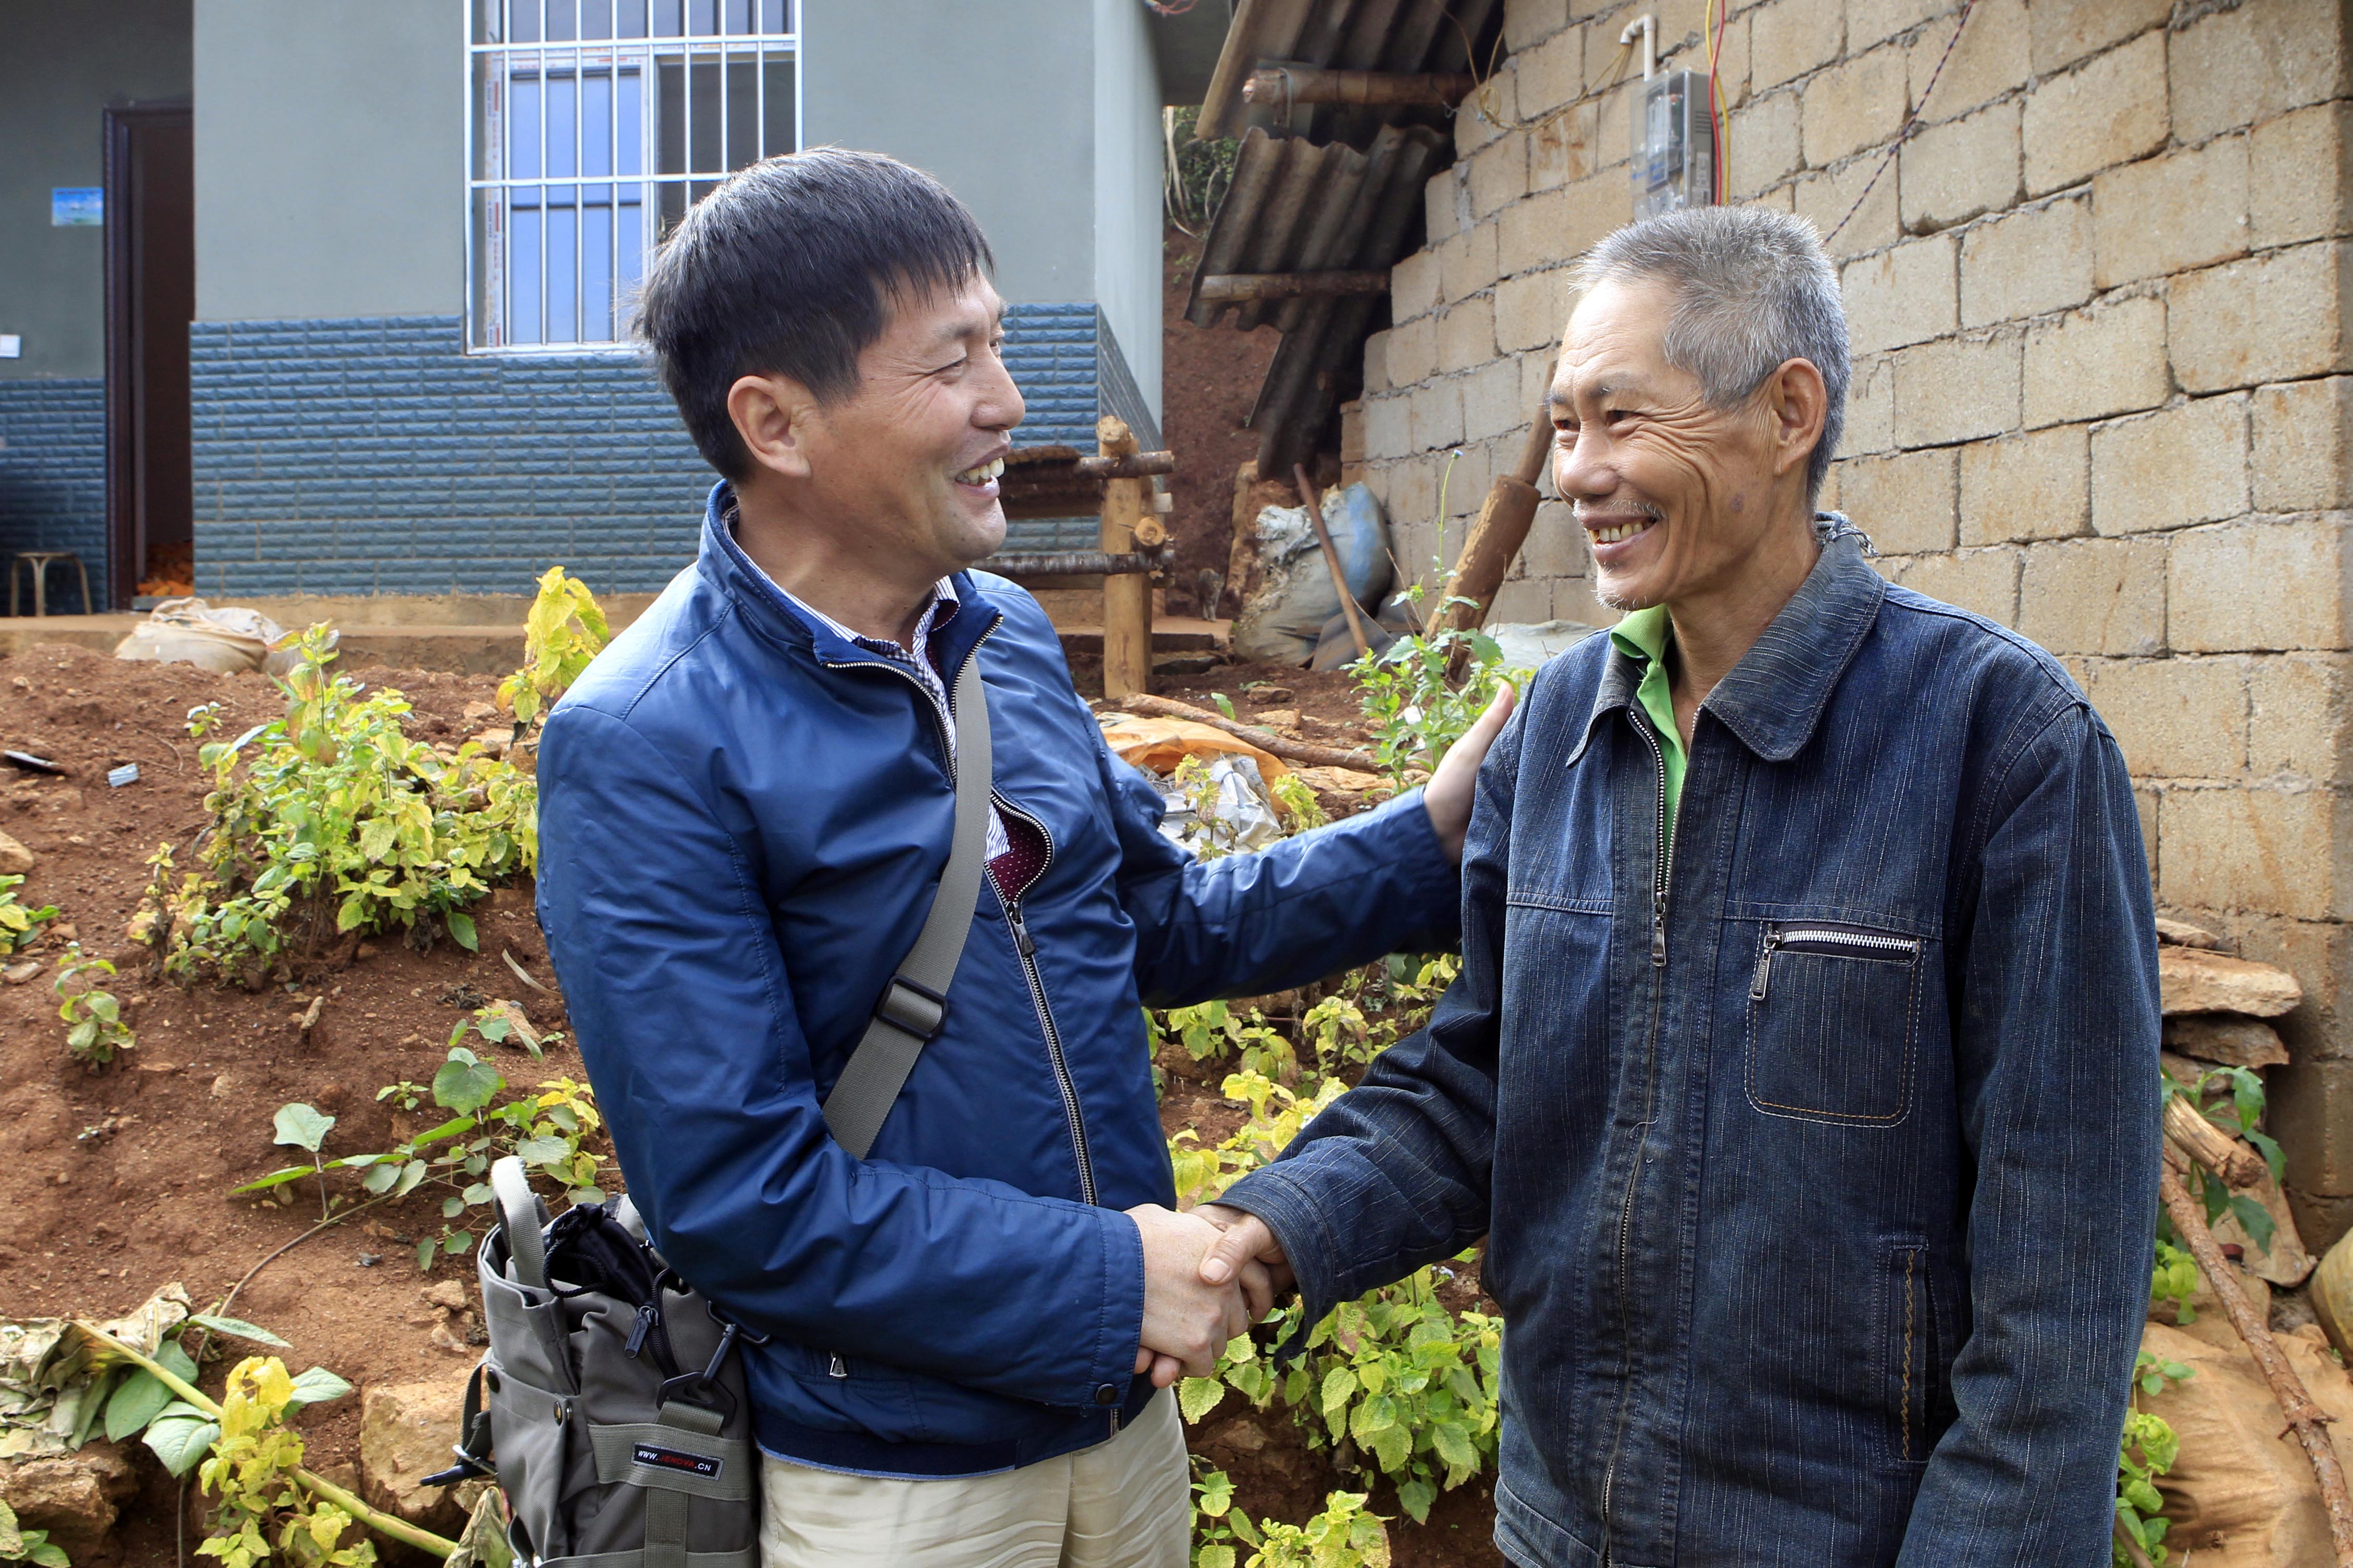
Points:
(1106, 1393)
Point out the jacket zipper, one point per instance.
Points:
(1831, 941)
(1027, 948)
(1662, 863)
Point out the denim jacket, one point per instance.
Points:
(1819, 1164)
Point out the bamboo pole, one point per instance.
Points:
(1290, 285)
(1283, 746)
(383, 1523)
(1127, 599)
(2305, 1417)
(1358, 89)
(1314, 502)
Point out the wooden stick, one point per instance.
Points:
(1360, 89)
(1127, 599)
(1283, 746)
(2305, 1418)
(1332, 562)
(1290, 285)
(2233, 1162)
(1496, 537)
(1134, 466)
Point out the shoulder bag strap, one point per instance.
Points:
(915, 1002)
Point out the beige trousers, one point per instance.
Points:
(1124, 1503)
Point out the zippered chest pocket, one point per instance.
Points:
(1832, 1017)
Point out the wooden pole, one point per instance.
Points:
(1127, 599)
(1283, 746)
(2305, 1417)
(1496, 537)
(1243, 547)
(1278, 85)
(1290, 285)
(1332, 562)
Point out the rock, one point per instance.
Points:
(2191, 980)
(223, 1086)
(2221, 1038)
(74, 1497)
(1279, 719)
(407, 1430)
(2181, 934)
(449, 1293)
(481, 713)
(15, 858)
(17, 973)
(364, 949)
(64, 930)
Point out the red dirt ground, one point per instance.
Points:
(117, 1181)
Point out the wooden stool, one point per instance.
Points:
(40, 561)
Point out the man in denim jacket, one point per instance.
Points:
(1802, 1071)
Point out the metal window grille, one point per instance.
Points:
(595, 124)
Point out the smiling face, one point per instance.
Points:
(1677, 499)
(905, 467)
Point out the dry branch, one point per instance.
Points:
(1283, 746)
(2216, 1151)
(2305, 1417)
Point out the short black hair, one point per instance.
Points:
(790, 267)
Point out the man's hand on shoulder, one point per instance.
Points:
(1449, 794)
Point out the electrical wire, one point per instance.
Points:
(1719, 118)
(1909, 121)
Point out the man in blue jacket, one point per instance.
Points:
(745, 805)
(1802, 1071)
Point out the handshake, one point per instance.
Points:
(1208, 1275)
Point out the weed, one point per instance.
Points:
(1298, 803)
(546, 1130)
(563, 631)
(1344, 1536)
(2147, 1450)
(1211, 1031)
(18, 1545)
(1277, 1114)
(2232, 1097)
(303, 1126)
(20, 928)
(94, 1027)
(332, 819)
(1217, 1522)
(1416, 712)
(264, 1516)
(2174, 1279)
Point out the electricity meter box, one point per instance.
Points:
(1675, 145)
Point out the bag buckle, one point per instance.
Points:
(703, 1388)
(918, 1010)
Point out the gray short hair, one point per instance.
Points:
(1753, 289)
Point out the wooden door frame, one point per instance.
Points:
(124, 548)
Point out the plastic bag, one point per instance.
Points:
(1283, 620)
(227, 641)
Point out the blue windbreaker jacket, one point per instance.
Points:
(743, 818)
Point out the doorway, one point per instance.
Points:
(151, 297)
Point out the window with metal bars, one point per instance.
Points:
(595, 125)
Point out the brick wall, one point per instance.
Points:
(2099, 304)
(376, 456)
(53, 482)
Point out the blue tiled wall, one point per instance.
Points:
(375, 456)
(53, 482)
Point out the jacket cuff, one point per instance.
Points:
(1290, 1211)
(1112, 1366)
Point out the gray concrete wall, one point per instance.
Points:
(993, 99)
(61, 67)
(330, 158)
(1127, 188)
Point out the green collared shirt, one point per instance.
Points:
(1643, 636)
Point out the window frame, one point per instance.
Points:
(491, 67)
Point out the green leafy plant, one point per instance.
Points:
(1218, 1524)
(564, 629)
(332, 819)
(1415, 711)
(1212, 1031)
(1344, 1536)
(18, 1545)
(548, 1129)
(95, 1031)
(1374, 1006)
(2147, 1449)
(303, 1127)
(2174, 1277)
(1196, 173)
(1277, 1114)
(1300, 808)
(264, 1516)
(20, 928)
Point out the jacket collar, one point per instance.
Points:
(1776, 694)
(766, 609)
